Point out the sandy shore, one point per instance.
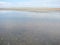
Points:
(32, 9)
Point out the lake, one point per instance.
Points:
(29, 28)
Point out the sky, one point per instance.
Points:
(30, 3)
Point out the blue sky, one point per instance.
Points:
(14, 0)
(30, 3)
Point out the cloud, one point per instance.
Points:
(5, 4)
(32, 3)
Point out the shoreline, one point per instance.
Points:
(31, 9)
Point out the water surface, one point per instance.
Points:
(29, 28)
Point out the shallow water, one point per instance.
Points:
(29, 28)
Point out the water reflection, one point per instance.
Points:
(29, 28)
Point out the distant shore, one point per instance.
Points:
(32, 9)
